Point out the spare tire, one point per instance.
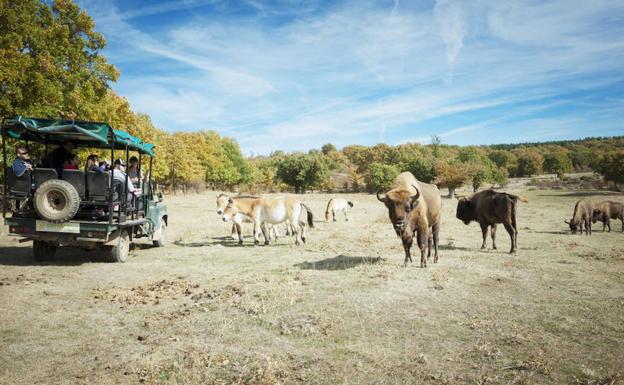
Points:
(57, 200)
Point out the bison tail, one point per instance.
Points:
(310, 215)
(328, 204)
(350, 203)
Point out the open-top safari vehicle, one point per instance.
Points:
(81, 209)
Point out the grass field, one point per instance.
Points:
(339, 309)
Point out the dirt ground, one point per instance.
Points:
(339, 309)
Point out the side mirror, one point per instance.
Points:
(159, 195)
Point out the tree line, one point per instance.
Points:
(52, 67)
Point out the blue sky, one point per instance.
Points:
(294, 75)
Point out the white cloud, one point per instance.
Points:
(356, 72)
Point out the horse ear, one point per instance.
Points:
(230, 200)
(381, 199)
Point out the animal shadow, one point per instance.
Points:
(223, 241)
(339, 262)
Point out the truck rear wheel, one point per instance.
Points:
(43, 251)
(162, 236)
(120, 251)
(56, 200)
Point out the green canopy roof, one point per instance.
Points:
(85, 134)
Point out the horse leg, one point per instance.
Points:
(256, 230)
(302, 226)
(265, 233)
(435, 230)
(239, 230)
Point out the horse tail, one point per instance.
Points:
(310, 215)
(328, 204)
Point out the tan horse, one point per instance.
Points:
(238, 220)
(336, 205)
(265, 211)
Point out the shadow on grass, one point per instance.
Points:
(584, 194)
(451, 247)
(225, 242)
(340, 262)
(65, 256)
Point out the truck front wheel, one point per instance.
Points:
(43, 251)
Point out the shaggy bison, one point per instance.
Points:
(605, 211)
(414, 208)
(489, 207)
(582, 216)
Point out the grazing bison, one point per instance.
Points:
(336, 205)
(489, 207)
(414, 208)
(605, 211)
(582, 216)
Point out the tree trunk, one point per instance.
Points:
(451, 193)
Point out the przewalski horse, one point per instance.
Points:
(489, 207)
(265, 211)
(336, 205)
(238, 220)
(414, 207)
(582, 216)
(605, 211)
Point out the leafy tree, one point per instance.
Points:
(380, 176)
(51, 61)
(504, 158)
(611, 166)
(423, 169)
(452, 175)
(558, 163)
(328, 148)
(530, 162)
(303, 171)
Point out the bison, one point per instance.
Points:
(605, 211)
(490, 207)
(582, 216)
(414, 208)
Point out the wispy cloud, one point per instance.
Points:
(278, 75)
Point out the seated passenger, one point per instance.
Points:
(22, 162)
(92, 164)
(119, 173)
(57, 158)
(133, 172)
(71, 163)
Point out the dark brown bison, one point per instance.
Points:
(605, 211)
(414, 208)
(582, 216)
(489, 207)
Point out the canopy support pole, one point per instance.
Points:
(110, 188)
(4, 158)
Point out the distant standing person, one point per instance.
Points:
(135, 175)
(22, 162)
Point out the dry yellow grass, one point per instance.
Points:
(340, 309)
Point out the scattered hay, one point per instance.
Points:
(151, 294)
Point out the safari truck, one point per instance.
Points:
(83, 209)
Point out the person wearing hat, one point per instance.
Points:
(22, 162)
(119, 174)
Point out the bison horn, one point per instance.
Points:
(380, 198)
(417, 195)
(566, 222)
